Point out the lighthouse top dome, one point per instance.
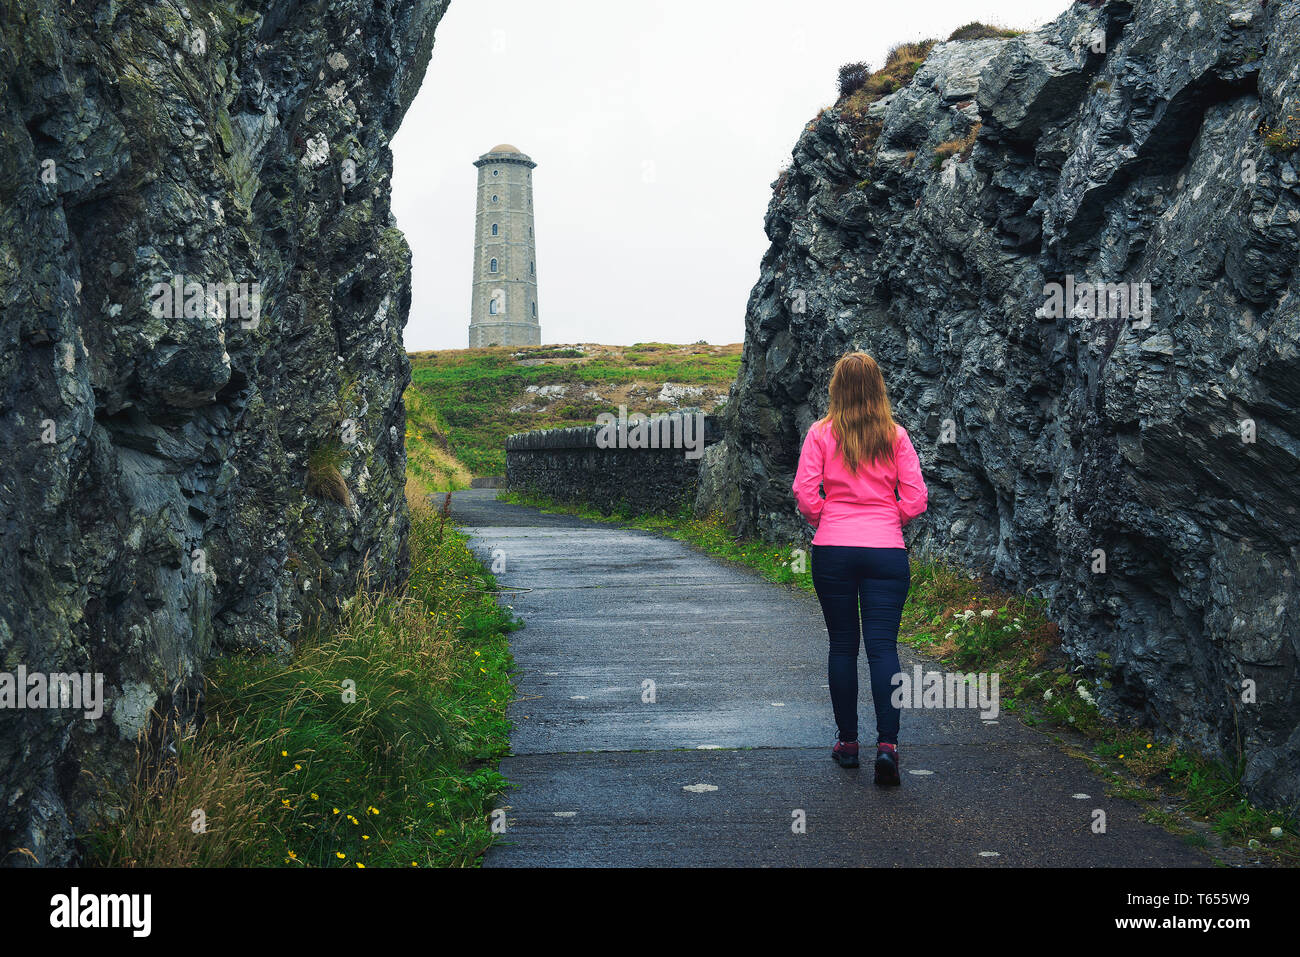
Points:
(505, 153)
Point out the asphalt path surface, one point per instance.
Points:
(672, 711)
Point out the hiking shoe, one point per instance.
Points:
(887, 762)
(845, 753)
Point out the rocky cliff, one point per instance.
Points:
(202, 294)
(1132, 459)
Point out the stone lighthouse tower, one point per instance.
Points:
(504, 307)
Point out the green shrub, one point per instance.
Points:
(852, 77)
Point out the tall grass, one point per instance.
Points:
(374, 746)
(201, 807)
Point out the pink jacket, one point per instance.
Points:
(858, 509)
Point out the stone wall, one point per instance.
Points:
(567, 465)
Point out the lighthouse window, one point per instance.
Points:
(496, 172)
(494, 229)
(492, 307)
(492, 266)
(534, 310)
(532, 267)
(495, 197)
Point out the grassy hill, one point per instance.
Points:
(462, 403)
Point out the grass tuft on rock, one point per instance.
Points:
(975, 30)
(1283, 138)
(325, 473)
(863, 89)
(960, 147)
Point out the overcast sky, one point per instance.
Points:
(657, 126)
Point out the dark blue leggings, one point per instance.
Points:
(878, 579)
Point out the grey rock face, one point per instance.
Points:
(185, 478)
(1045, 439)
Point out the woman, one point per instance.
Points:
(860, 456)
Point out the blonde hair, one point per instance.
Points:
(860, 415)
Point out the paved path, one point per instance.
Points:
(737, 742)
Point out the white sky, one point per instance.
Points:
(658, 127)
